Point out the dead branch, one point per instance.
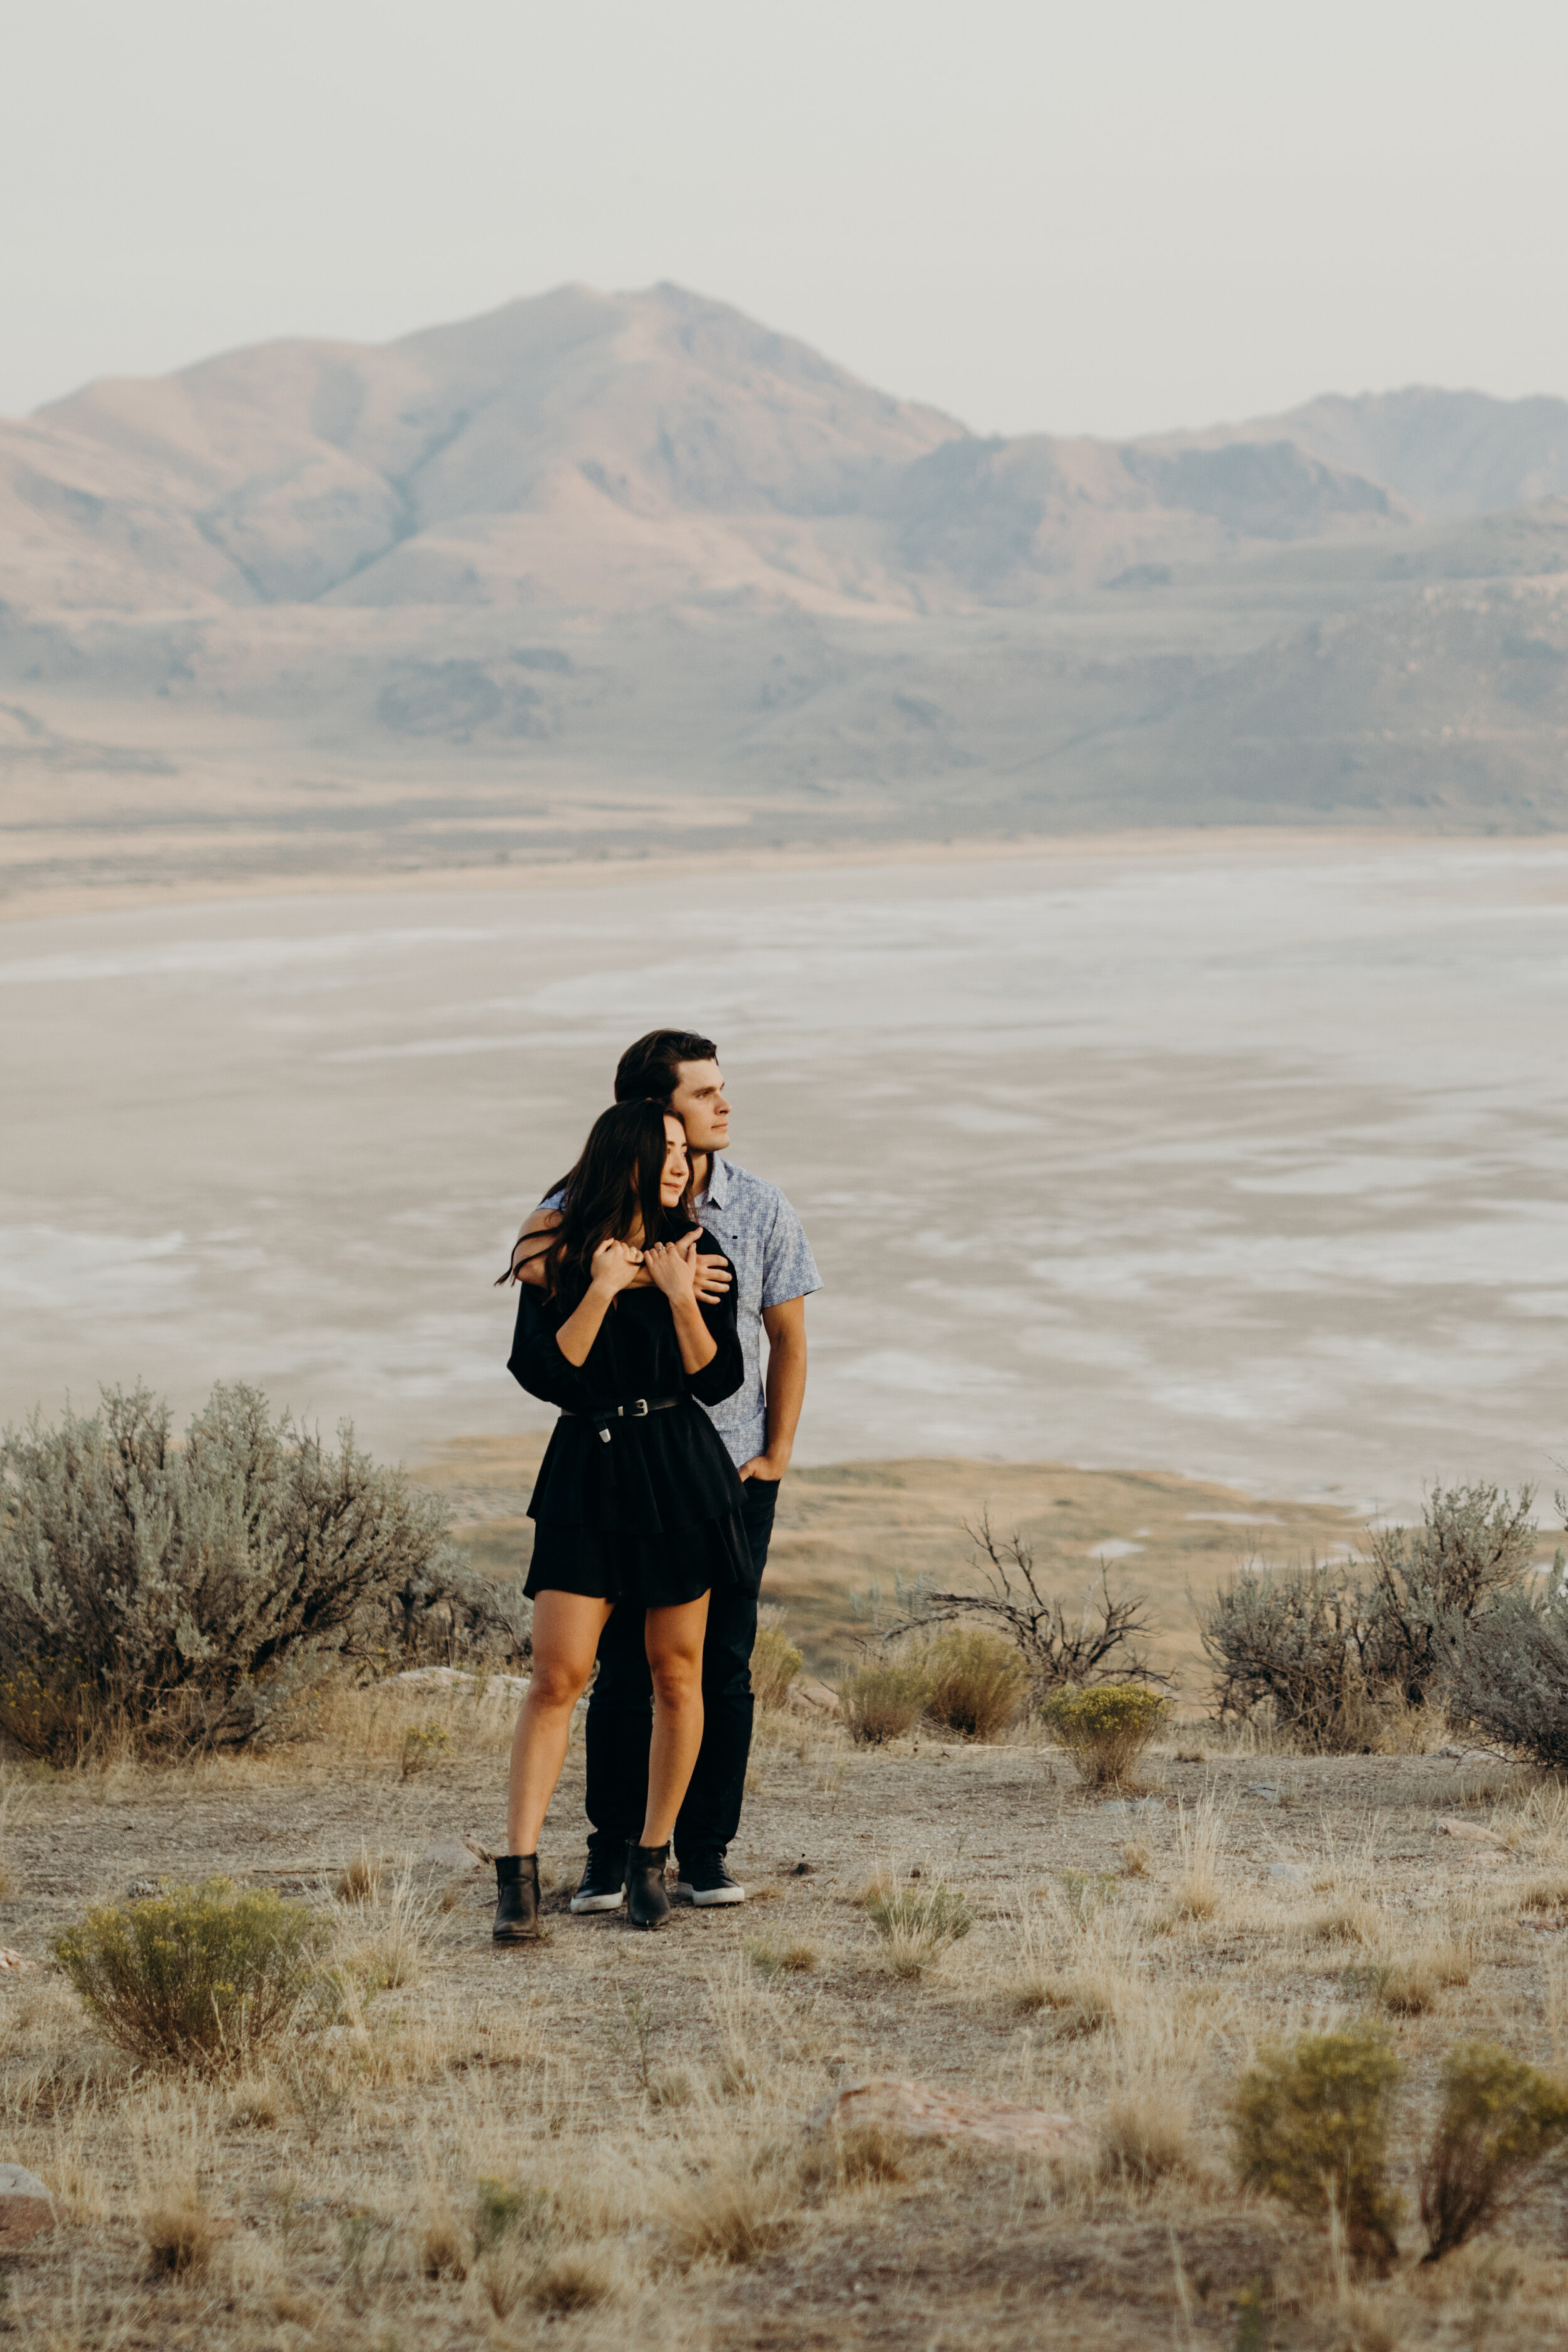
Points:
(1101, 1647)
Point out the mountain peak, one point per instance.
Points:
(1448, 455)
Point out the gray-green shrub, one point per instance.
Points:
(1430, 1584)
(204, 1977)
(1295, 1637)
(1507, 1674)
(186, 1593)
(1334, 1651)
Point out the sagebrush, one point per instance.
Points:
(1338, 1651)
(188, 1592)
(1508, 1674)
(204, 1977)
(1431, 1584)
(1296, 1638)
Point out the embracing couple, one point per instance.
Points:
(648, 1278)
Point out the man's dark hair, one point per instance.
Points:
(649, 1071)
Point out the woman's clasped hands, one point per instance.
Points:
(615, 1266)
(673, 1266)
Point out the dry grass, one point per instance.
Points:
(179, 2229)
(1198, 1835)
(868, 2154)
(885, 1699)
(1405, 1977)
(977, 1683)
(797, 1958)
(1144, 2139)
(603, 2136)
(1352, 1920)
(775, 1663)
(1077, 1970)
(356, 1724)
(918, 1922)
(730, 2202)
(380, 1945)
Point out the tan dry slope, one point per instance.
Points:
(597, 452)
(851, 1529)
(577, 449)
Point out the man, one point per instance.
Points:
(773, 1265)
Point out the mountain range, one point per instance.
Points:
(633, 567)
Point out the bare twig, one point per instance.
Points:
(1102, 1647)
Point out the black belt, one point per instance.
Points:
(637, 1410)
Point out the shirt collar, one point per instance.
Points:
(717, 1190)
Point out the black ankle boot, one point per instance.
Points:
(646, 1903)
(517, 1899)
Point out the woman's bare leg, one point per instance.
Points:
(567, 1629)
(674, 1638)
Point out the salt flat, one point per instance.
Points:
(1242, 1161)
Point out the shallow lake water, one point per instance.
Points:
(1248, 1162)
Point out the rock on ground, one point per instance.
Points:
(26, 2207)
(920, 2112)
(509, 1688)
(451, 1853)
(1469, 1832)
(813, 1698)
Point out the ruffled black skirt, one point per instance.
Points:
(643, 1571)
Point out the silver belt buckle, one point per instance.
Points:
(638, 1409)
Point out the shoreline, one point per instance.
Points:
(436, 1460)
(1168, 844)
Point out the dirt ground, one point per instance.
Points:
(642, 2099)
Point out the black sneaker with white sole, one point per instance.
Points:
(603, 1885)
(705, 1881)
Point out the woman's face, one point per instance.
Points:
(676, 1167)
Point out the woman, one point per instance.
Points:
(636, 1505)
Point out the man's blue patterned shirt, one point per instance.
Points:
(765, 1244)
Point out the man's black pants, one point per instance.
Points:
(620, 1709)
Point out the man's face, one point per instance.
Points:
(699, 1104)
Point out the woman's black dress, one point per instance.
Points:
(652, 1516)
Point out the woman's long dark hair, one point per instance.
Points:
(617, 1176)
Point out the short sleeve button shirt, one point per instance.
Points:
(765, 1244)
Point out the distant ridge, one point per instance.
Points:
(600, 452)
(632, 574)
(1448, 455)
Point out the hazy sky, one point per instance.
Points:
(1105, 216)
